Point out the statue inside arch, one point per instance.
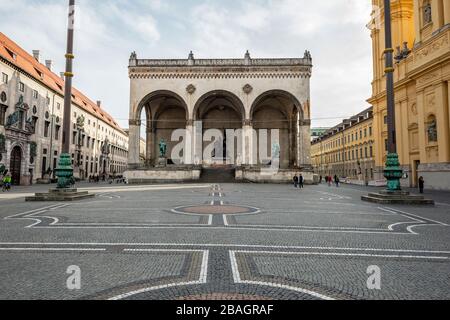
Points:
(432, 131)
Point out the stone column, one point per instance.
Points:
(446, 12)
(134, 144)
(417, 20)
(437, 13)
(249, 144)
(197, 141)
(422, 129)
(150, 143)
(442, 118)
(189, 143)
(305, 144)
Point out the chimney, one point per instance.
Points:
(99, 103)
(48, 64)
(37, 55)
(61, 74)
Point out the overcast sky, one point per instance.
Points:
(109, 30)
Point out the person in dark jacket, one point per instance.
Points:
(295, 181)
(301, 181)
(421, 184)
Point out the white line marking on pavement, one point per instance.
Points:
(202, 280)
(414, 215)
(200, 245)
(237, 279)
(51, 249)
(212, 245)
(210, 220)
(346, 255)
(229, 228)
(225, 220)
(31, 211)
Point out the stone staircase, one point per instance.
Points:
(397, 197)
(219, 174)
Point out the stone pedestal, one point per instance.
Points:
(162, 163)
(397, 197)
(61, 195)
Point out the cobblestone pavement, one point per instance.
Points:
(230, 241)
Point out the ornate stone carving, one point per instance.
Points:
(247, 122)
(414, 109)
(80, 122)
(431, 48)
(247, 89)
(191, 89)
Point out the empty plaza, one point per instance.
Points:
(223, 241)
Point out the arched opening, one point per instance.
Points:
(222, 114)
(278, 113)
(16, 165)
(165, 112)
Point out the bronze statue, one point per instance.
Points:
(162, 148)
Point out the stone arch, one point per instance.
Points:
(220, 94)
(280, 110)
(276, 93)
(156, 95)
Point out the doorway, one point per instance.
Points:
(15, 165)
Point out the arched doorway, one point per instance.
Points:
(15, 165)
(281, 111)
(222, 114)
(165, 112)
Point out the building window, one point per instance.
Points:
(57, 129)
(370, 131)
(46, 128)
(385, 119)
(58, 106)
(5, 78)
(371, 152)
(427, 13)
(365, 152)
(365, 133)
(385, 145)
(2, 114)
(21, 87)
(48, 101)
(74, 137)
(35, 94)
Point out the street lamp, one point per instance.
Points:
(392, 172)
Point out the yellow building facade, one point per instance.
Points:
(347, 150)
(421, 40)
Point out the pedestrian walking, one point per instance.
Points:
(336, 181)
(320, 180)
(301, 181)
(421, 184)
(295, 181)
(6, 182)
(329, 181)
